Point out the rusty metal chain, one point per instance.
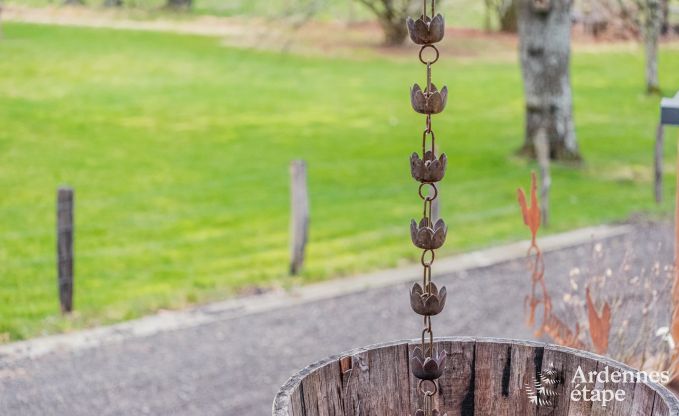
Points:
(429, 233)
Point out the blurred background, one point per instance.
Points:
(176, 121)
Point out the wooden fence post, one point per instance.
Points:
(659, 143)
(299, 215)
(65, 248)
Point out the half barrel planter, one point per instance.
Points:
(483, 377)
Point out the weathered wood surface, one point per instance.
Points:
(65, 248)
(582, 407)
(644, 397)
(299, 215)
(321, 391)
(483, 377)
(363, 395)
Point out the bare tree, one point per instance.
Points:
(392, 15)
(544, 49)
(665, 25)
(179, 4)
(645, 19)
(651, 25)
(488, 19)
(505, 13)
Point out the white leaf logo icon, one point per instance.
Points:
(542, 390)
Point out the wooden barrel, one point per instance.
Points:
(483, 377)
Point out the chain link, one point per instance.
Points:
(428, 132)
(428, 193)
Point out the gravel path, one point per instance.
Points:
(234, 366)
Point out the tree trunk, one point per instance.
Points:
(113, 3)
(391, 15)
(665, 25)
(395, 33)
(487, 15)
(507, 16)
(73, 2)
(544, 48)
(178, 4)
(652, 23)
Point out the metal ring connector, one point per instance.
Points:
(430, 261)
(436, 57)
(428, 392)
(429, 196)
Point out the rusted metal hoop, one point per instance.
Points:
(431, 261)
(422, 49)
(432, 186)
(432, 392)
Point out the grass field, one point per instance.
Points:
(178, 149)
(459, 13)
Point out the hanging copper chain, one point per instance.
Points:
(428, 255)
(429, 233)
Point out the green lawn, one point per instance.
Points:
(464, 13)
(178, 149)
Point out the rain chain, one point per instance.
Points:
(426, 363)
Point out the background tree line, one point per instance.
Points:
(170, 4)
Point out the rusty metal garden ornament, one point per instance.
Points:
(427, 236)
(430, 100)
(427, 367)
(429, 169)
(427, 302)
(426, 30)
(426, 363)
